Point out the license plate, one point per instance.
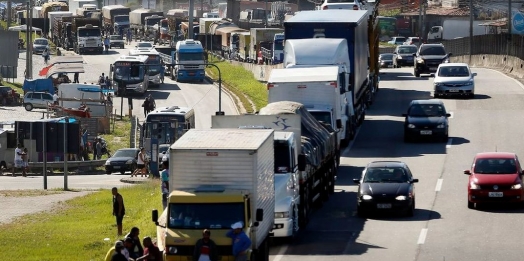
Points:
(496, 194)
(390, 66)
(426, 132)
(116, 167)
(433, 68)
(191, 74)
(453, 90)
(383, 206)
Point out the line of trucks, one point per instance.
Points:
(271, 169)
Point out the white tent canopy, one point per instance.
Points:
(23, 28)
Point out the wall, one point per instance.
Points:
(261, 72)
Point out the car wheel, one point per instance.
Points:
(108, 172)
(471, 205)
(122, 172)
(28, 107)
(445, 138)
(411, 210)
(417, 74)
(471, 95)
(407, 139)
(360, 212)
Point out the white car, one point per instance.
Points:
(144, 46)
(454, 79)
(341, 4)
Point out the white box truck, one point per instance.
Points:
(219, 177)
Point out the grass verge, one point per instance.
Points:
(240, 82)
(15, 85)
(28, 193)
(386, 44)
(79, 226)
(119, 137)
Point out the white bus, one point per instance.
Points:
(131, 71)
(154, 64)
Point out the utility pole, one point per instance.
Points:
(509, 17)
(420, 19)
(190, 34)
(27, 41)
(423, 36)
(9, 12)
(201, 8)
(470, 29)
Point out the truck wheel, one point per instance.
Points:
(417, 74)
(303, 218)
(295, 224)
(332, 179)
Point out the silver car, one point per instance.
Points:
(38, 100)
(454, 79)
(39, 45)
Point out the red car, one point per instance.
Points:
(495, 177)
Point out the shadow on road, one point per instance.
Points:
(169, 87)
(346, 174)
(394, 102)
(420, 215)
(392, 75)
(477, 97)
(500, 207)
(458, 140)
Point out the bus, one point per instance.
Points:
(388, 28)
(154, 64)
(130, 73)
(164, 126)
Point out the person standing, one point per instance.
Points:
(205, 248)
(75, 78)
(55, 98)
(106, 44)
(25, 159)
(46, 55)
(146, 106)
(241, 242)
(19, 162)
(98, 149)
(140, 164)
(119, 210)
(129, 36)
(165, 183)
(136, 247)
(152, 103)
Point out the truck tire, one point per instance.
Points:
(332, 178)
(303, 208)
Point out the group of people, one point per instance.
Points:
(104, 81)
(131, 249)
(149, 105)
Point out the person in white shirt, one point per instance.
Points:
(55, 98)
(19, 162)
(141, 164)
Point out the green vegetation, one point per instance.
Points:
(28, 193)
(119, 137)
(240, 82)
(386, 44)
(389, 12)
(15, 85)
(76, 229)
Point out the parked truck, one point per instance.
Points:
(53, 7)
(454, 28)
(210, 190)
(259, 35)
(86, 10)
(187, 61)
(115, 17)
(287, 147)
(273, 51)
(87, 35)
(321, 90)
(53, 18)
(338, 24)
(66, 36)
(57, 28)
(137, 17)
(319, 53)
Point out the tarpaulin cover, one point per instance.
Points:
(39, 85)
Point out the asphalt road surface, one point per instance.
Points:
(443, 228)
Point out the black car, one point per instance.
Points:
(123, 160)
(403, 55)
(386, 186)
(428, 58)
(385, 60)
(8, 96)
(426, 118)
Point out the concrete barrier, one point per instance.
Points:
(507, 64)
(260, 72)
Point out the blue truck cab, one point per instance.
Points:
(188, 60)
(351, 25)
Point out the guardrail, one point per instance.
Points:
(89, 164)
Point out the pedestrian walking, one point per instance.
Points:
(46, 55)
(205, 248)
(146, 106)
(19, 162)
(165, 183)
(75, 78)
(129, 36)
(119, 210)
(136, 247)
(98, 149)
(55, 98)
(241, 242)
(106, 44)
(25, 159)
(141, 164)
(152, 103)
(162, 71)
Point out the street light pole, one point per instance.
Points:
(470, 29)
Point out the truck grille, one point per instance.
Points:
(91, 43)
(191, 66)
(434, 62)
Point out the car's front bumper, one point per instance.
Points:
(283, 227)
(483, 195)
(385, 204)
(405, 62)
(443, 89)
(118, 168)
(426, 133)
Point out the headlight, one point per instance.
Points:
(420, 60)
(468, 83)
(282, 214)
(367, 197)
(172, 250)
(516, 186)
(411, 126)
(129, 162)
(441, 126)
(473, 185)
(437, 84)
(401, 198)
(108, 162)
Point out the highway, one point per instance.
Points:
(443, 228)
(202, 97)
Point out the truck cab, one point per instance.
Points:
(89, 39)
(189, 60)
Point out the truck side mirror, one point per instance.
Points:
(154, 215)
(111, 68)
(342, 77)
(259, 215)
(450, 54)
(339, 124)
(301, 162)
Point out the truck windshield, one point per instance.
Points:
(153, 21)
(322, 116)
(167, 133)
(164, 24)
(190, 56)
(121, 19)
(282, 158)
(123, 72)
(154, 64)
(205, 215)
(279, 45)
(89, 33)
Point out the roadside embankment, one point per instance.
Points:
(507, 64)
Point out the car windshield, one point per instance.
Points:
(385, 175)
(86, 32)
(197, 215)
(400, 39)
(115, 37)
(495, 166)
(125, 153)
(453, 71)
(432, 50)
(124, 73)
(190, 56)
(407, 50)
(41, 41)
(144, 45)
(427, 110)
(386, 57)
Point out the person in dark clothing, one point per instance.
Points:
(75, 79)
(129, 245)
(119, 209)
(118, 256)
(146, 105)
(151, 252)
(205, 248)
(137, 248)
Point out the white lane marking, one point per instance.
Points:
(450, 142)
(422, 236)
(281, 253)
(451, 113)
(348, 148)
(439, 185)
(352, 239)
(515, 80)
